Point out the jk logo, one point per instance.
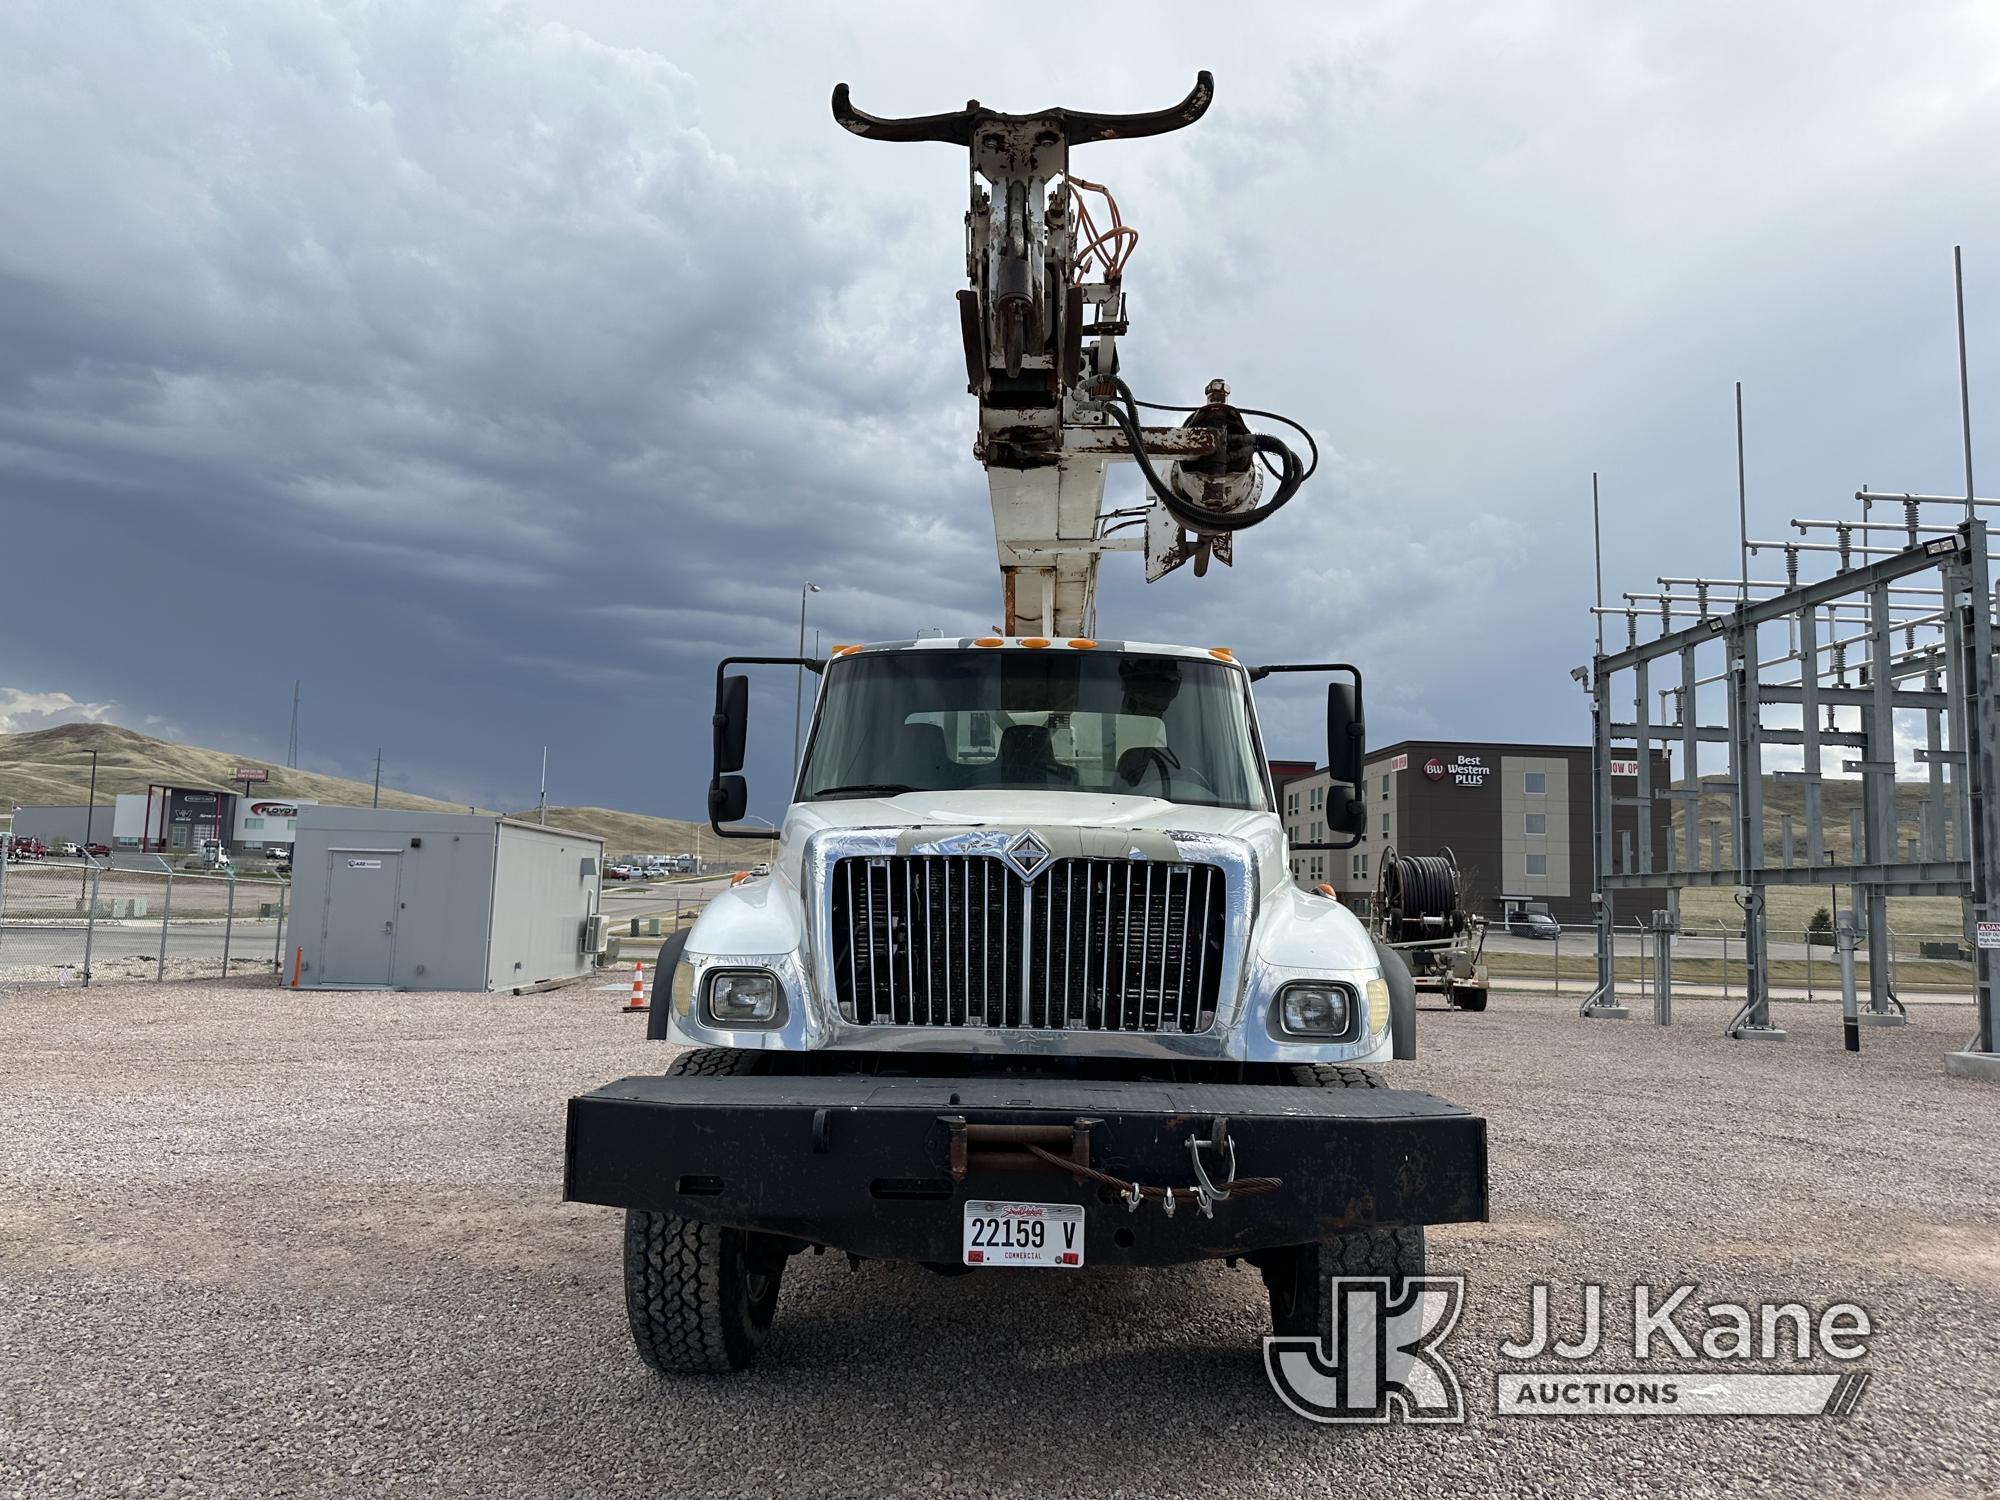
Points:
(1379, 1358)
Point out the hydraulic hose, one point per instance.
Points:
(1125, 413)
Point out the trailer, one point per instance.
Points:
(1419, 913)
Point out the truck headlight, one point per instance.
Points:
(1315, 1010)
(743, 997)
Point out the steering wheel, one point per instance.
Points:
(1135, 763)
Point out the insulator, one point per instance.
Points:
(1791, 567)
(1910, 519)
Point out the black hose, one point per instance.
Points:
(1251, 411)
(1194, 517)
(1419, 897)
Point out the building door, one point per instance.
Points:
(358, 938)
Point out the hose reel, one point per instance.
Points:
(1418, 895)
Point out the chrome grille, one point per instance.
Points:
(1090, 944)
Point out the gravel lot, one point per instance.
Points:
(262, 1243)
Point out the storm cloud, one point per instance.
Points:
(495, 368)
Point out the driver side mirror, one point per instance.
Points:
(1346, 747)
(1346, 732)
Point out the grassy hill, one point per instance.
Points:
(52, 766)
(1791, 907)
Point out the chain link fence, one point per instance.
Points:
(1803, 963)
(93, 922)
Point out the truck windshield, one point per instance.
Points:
(1077, 721)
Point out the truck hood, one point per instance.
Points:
(1016, 810)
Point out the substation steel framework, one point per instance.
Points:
(1949, 679)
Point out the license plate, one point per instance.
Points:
(1023, 1234)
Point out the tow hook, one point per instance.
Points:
(1207, 1192)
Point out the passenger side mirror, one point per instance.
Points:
(732, 726)
(728, 797)
(728, 792)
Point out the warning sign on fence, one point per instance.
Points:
(1989, 934)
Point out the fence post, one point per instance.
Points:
(6, 858)
(278, 945)
(228, 921)
(166, 917)
(90, 924)
(1559, 957)
(1725, 963)
(1809, 981)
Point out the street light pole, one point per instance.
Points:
(799, 687)
(89, 813)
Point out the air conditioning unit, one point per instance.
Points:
(596, 929)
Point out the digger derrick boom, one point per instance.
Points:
(1039, 323)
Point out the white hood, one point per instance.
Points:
(1008, 809)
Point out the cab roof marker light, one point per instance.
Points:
(989, 640)
(1034, 642)
(1080, 644)
(1222, 653)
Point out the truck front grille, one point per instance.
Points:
(1090, 944)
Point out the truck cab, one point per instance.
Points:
(1029, 985)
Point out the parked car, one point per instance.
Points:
(617, 872)
(69, 849)
(1538, 924)
(102, 851)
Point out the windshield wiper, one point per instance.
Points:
(863, 789)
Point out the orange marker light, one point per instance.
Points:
(1222, 653)
(1080, 644)
(1326, 890)
(845, 650)
(989, 640)
(1034, 642)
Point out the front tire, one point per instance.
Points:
(1299, 1278)
(700, 1297)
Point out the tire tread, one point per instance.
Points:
(673, 1266)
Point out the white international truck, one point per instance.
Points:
(1029, 986)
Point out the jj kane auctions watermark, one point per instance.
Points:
(1383, 1359)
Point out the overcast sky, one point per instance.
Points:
(496, 368)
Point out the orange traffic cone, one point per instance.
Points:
(638, 1000)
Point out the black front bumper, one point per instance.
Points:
(866, 1164)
